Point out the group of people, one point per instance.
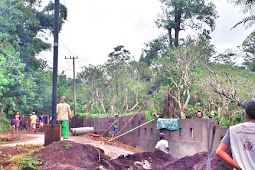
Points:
(30, 123)
(240, 138)
(64, 116)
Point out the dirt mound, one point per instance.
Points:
(145, 160)
(70, 155)
(216, 163)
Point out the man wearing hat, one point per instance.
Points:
(162, 145)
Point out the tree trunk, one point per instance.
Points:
(177, 27)
(169, 29)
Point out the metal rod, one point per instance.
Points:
(129, 121)
(210, 150)
(130, 130)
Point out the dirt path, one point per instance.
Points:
(113, 150)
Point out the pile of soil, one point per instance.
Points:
(70, 155)
(145, 160)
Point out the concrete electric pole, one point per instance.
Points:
(74, 91)
(55, 64)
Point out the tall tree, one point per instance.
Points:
(23, 25)
(29, 24)
(178, 15)
(179, 66)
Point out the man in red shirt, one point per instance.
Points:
(17, 121)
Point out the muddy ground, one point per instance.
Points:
(74, 154)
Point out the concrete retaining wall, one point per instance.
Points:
(193, 136)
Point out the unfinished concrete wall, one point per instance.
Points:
(193, 136)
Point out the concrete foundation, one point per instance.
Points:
(52, 133)
(193, 135)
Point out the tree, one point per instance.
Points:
(179, 66)
(179, 15)
(248, 6)
(225, 88)
(25, 86)
(154, 50)
(93, 79)
(122, 80)
(248, 47)
(228, 57)
(28, 24)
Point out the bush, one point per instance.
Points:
(29, 162)
(5, 125)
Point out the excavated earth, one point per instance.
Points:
(67, 155)
(75, 155)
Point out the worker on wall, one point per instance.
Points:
(162, 144)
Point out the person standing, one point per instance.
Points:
(241, 139)
(46, 119)
(13, 124)
(64, 116)
(33, 122)
(17, 121)
(41, 122)
(162, 145)
(29, 123)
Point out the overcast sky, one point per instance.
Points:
(95, 27)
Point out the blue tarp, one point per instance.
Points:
(170, 124)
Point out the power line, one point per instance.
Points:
(67, 48)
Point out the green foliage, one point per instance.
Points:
(192, 111)
(24, 27)
(247, 7)
(238, 118)
(224, 123)
(83, 115)
(68, 145)
(148, 117)
(5, 124)
(28, 22)
(30, 162)
(180, 15)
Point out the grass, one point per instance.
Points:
(68, 146)
(24, 161)
(5, 125)
(29, 162)
(83, 115)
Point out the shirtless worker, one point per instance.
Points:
(241, 139)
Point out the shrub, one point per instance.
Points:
(5, 125)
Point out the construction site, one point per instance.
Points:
(95, 143)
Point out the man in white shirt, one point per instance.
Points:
(241, 139)
(162, 145)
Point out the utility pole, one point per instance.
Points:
(74, 91)
(55, 64)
